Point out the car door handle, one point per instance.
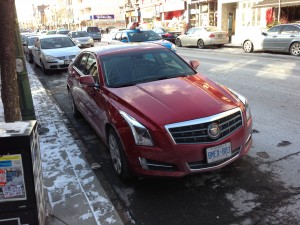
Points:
(292, 36)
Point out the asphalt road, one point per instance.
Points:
(262, 188)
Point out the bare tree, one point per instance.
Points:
(9, 84)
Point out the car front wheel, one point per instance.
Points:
(45, 71)
(248, 46)
(178, 42)
(295, 49)
(117, 155)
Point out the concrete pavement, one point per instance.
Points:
(73, 194)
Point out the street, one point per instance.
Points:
(262, 188)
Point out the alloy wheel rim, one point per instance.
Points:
(115, 154)
(200, 44)
(296, 49)
(247, 46)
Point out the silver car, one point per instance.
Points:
(53, 52)
(81, 38)
(203, 36)
(280, 38)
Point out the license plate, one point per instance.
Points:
(220, 35)
(67, 61)
(219, 152)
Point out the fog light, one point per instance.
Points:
(143, 163)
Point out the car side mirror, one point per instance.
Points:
(195, 64)
(264, 33)
(87, 80)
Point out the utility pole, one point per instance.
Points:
(25, 97)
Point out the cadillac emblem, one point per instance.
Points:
(213, 131)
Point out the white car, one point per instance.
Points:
(203, 36)
(81, 39)
(54, 52)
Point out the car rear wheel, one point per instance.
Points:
(117, 155)
(200, 44)
(295, 49)
(76, 113)
(248, 46)
(178, 42)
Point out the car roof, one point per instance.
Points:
(123, 48)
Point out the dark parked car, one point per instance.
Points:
(156, 113)
(280, 38)
(93, 32)
(167, 34)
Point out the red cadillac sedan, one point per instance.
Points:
(156, 113)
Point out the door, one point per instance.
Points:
(285, 37)
(269, 40)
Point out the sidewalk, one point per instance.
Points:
(73, 194)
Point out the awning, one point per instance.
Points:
(170, 15)
(276, 3)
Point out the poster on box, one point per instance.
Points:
(12, 185)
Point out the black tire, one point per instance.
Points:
(118, 156)
(295, 49)
(76, 113)
(45, 71)
(178, 42)
(35, 64)
(200, 44)
(248, 46)
(220, 46)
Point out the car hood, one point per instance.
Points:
(57, 52)
(82, 38)
(175, 100)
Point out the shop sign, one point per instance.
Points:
(12, 185)
(103, 17)
(173, 5)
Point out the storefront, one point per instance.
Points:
(174, 14)
(203, 13)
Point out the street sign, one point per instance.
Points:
(103, 17)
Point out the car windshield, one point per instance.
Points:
(79, 34)
(63, 32)
(139, 67)
(141, 36)
(93, 29)
(57, 42)
(31, 41)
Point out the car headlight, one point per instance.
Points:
(140, 133)
(50, 58)
(244, 101)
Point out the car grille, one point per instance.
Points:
(66, 57)
(195, 131)
(198, 165)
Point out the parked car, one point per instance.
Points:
(53, 52)
(93, 32)
(156, 113)
(202, 37)
(280, 38)
(137, 35)
(63, 31)
(167, 34)
(28, 46)
(81, 38)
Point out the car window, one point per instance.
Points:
(211, 29)
(134, 68)
(93, 29)
(143, 36)
(274, 30)
(297, 30)
(288, 29)
(79, 34)
(56, 42)
(31, 41)
(91, 68)
(80, 63)
(190, 31)
(118, 36)
(124, 36)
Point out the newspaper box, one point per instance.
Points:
(21, 184)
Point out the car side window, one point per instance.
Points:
(190, 31)
(91, 68)
(274, 30)
(124, 36)
(118, 36)
(297, 30)
(288, 29)
(80, 63)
